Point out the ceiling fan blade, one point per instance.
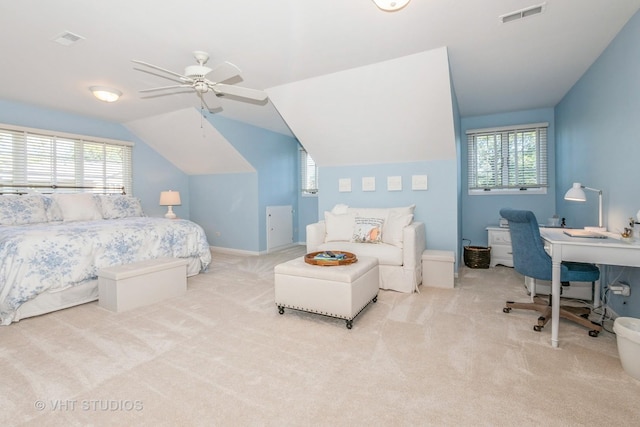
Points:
(211, 110)
(165, 87)
(240, 91)
(164, 70)
(223, 72)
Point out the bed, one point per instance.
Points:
(52, 246)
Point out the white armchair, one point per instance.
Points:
(399, 254)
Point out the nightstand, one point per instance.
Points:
(500, 243)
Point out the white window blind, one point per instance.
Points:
(30, 157)
(308, 174)
(508, 158)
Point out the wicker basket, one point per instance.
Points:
(477, 256)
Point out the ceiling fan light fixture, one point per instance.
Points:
(196, 71)
(105, 94)
(201, 87)
(391, 5)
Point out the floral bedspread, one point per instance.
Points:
(51, 257)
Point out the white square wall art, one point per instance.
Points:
(369, 183)
(419, 182)
(344, 185)
(394, 183)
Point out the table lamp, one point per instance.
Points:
(170, 199)
(576, 193)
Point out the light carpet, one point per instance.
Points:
(222, 355)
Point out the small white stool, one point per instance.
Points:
(341, 291)
(128, 286)
(437, 269)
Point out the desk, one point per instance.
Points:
(609, 251)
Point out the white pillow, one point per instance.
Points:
(78, 207)
(338, 227)
(381, 213)
(340, 209)
(403, 210)
(367, 230)
(392, 230)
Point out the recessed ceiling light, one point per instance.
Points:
(105, 94)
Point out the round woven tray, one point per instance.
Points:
(349, 258)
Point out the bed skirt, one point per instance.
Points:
(48, 302)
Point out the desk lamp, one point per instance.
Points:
(170, 199)
(576, 193)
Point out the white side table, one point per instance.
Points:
(500, 241)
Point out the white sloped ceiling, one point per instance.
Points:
(190, 142)
(388, 112)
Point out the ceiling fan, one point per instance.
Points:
(195, 77)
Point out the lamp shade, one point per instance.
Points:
(576, 193)
(170, 198)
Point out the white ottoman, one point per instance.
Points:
(128, 286)
(437, 268)
(341, 291)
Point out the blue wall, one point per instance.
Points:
(437, 207)
(226, 207)
(275, 183)
(152, 173)
(479, 211)
(597, 128)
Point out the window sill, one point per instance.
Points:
(509, 192)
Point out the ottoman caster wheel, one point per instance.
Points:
(537, 328)
(349, 324)
(506, 310)
(280, 310)
(375, 299)
(594, 333)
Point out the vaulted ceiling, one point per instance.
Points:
(494, 66)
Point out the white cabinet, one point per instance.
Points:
(500, 243)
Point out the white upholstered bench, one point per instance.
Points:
(337, 291)
(128, 286)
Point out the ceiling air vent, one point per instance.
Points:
(523, 13)
(67, 38)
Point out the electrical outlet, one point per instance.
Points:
(621, 288)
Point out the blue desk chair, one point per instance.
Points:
(530, 259)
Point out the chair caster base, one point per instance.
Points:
(594, 333)
(506, 310)
(537, 328)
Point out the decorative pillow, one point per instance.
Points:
(367, 230)
(338, 227)
(122, 206)
(51, 207)
(402, 210)
(340, 209)
(78, 207)
(392, 230)
(18, 210)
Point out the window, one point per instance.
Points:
(508, 160)
(308, 174)
(32, 157)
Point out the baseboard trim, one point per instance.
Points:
(232, 251)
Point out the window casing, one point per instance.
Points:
(36, 157)
(308, 174)
(510, 160)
